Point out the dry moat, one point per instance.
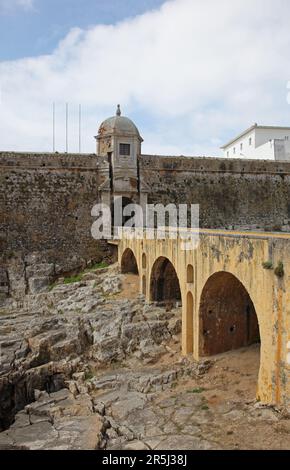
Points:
(88, 365)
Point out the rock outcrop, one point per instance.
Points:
(51, 335)
(84, 368)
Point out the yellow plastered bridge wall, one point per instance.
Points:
(240, 254)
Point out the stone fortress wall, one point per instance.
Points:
(232, 193)
(46, 202)
(45, 217)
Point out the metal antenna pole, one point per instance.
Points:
(53, 127)
(80, 128)
(66, 128)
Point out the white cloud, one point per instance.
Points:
(198, 70)
(8, 5)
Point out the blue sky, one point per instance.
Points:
(190, 73)
(32, 29)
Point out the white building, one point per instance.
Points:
(261, 142)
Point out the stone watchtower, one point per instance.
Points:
(119, 140)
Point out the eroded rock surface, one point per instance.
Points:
(82, 367)
(50, 336)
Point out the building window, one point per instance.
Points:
(234, 150)
(228, 154)
(125, 149)
(286, 137)
(241, 147)
(250, 141)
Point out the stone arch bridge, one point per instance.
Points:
(230, 298)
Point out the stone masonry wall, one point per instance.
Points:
(248, 194)
(45, 216)
(46, 202)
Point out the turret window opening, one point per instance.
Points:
(125, 150)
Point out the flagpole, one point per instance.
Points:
(53, 127)
(80, 128)
(66, 128)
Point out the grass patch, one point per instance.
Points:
(96, 266)
(204, 407)
(79, 277)
(72, 279)
(196, 390)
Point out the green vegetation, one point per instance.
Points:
(279, 270)
(267, 265)
(79, 277)
(96, 266)
(196, 390)
(72, 279)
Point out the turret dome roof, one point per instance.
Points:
(119, 125)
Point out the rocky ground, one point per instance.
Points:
(88, 365)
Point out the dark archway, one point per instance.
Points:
(123, 202)
(228, 318)
(164, 283)
(129, 263)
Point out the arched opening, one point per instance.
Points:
(144, 285)
(129, 263)
(228, 318)
(190, 274)
(164, 283)
(144, 261)
(189, 323)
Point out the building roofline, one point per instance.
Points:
(255, 126)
